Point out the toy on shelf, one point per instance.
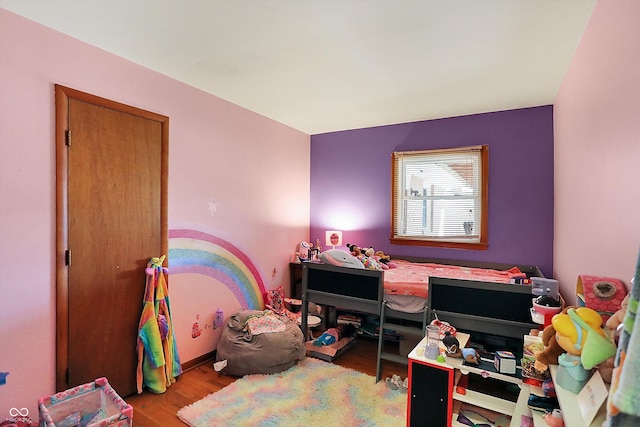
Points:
(302, 251)
(554, 418)
(579, 332)
(552, 350)
(618, 317)
(452, 349)
(548, 303)
(443, 326)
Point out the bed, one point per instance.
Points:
(473, 296)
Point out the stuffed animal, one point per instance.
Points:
(552, 350)
(382, 257)
(370, 260)
(579, 332)
(568, 333)
(606, 368)
(370, 263)
(618, 317)
(366, 256)
(354, 249)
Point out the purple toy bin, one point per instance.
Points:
(95, 404)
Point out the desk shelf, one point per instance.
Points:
(443, 384)
(570, 408)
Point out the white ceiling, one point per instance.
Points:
(328, 65)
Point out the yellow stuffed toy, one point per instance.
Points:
(552, 350)
(578, 332)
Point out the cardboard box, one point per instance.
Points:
(92, 404)
(505, 362)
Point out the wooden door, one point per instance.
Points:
(112, 164)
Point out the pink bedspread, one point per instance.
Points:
(413, 278)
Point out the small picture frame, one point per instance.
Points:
(314, 254)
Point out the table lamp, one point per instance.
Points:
(333, 238)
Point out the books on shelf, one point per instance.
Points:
(367, 325)
(349, 319)
(373, 330)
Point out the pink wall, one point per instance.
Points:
(597, 150)
(597, 153)
(258, 204)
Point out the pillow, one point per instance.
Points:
(274, 300)
(340, 258)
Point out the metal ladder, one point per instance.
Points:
(382, 355)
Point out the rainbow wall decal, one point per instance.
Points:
(192, 251)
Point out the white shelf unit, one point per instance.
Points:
(523, 406)
(482, 400)
(507, 407)
(569, 406)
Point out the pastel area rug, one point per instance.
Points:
(313, 393)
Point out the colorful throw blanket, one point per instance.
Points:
(265, 323)
(623, 406)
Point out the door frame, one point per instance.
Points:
(62, 96)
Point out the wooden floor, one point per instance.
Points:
(160, 409)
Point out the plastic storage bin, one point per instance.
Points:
(92, 404)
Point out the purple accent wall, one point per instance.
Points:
(351, 183)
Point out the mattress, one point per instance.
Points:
(406, 303)
(413, 278)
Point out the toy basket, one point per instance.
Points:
(92, 404)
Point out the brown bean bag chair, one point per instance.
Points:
(265, 353)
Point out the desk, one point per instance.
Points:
(433, 385)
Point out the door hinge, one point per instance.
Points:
(67, 257)
(67, 137)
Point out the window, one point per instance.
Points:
(439, 197)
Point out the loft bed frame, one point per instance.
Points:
(503, 308)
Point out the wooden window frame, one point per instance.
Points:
(477, 243)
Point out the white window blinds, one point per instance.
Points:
(438, 194)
